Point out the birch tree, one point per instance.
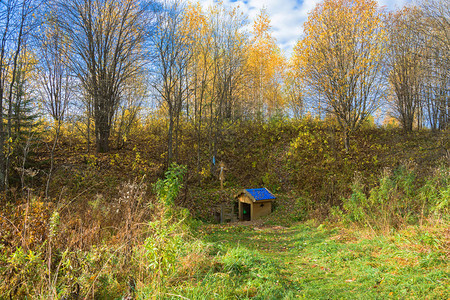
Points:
(266, 66)
(434, 25)
(405, 65)
(341, 59)
(171, 45)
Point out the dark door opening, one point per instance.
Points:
(246, 209)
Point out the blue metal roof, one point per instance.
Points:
(260, 194)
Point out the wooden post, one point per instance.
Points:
(222, 174)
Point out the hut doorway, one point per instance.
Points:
(246, 212)
(254, 203)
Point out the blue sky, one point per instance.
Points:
(287, 16)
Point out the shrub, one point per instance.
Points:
(435, 194)
(132, 257)
(397, 200)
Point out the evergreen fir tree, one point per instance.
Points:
(24, 118)
(24, 128)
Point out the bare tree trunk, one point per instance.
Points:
(102, 132)
(89, 126)
(346, 139)
(102, 117)
(52, 158)
(170, 139)
(119, 140)
(2, 91)
(10, 95)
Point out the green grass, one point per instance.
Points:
(311, 262)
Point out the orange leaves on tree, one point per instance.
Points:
(266, 66)
(340, 58)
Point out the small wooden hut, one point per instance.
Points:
(254, 203)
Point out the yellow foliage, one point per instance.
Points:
(390, 122)
(266, 66)
(340, 57)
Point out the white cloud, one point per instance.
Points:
(287, 16)
(392, 4)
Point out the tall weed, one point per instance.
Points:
(435, 194)
(130, 258)
(165, 245)
(398, 200)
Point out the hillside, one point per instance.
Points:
(103, 210)
(294, 159)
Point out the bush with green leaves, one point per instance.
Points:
(162, 249)
(167, 189)
(435, 194)
(148, 254)
(399, 199)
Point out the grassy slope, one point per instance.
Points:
(302, 261)
(308, 176)
(292, 158)
(305, 160)
(312, 262)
